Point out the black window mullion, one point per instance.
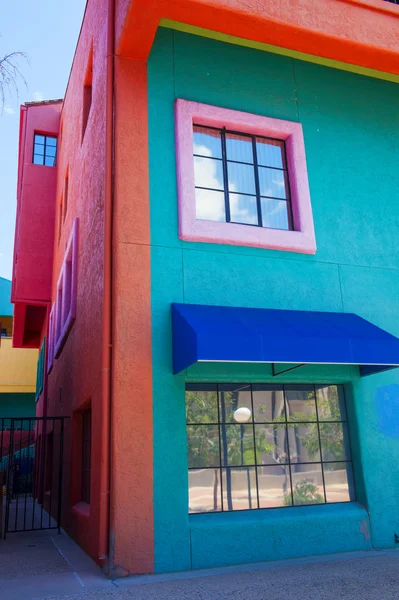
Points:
(257, 185)
(45, 149)
(255, 454)
(220, 450)
(288, 446)
(321, 452)
(225, 175)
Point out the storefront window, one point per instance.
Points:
(267, 446)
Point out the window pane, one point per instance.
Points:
(274, 487)
(239, 147)
(203, 446)
(241, 178)
(51, 141)
(331, 403)
(268, 403)
(49, 161)
(307, 481)
(272, 183)
(303, 442)
(39, 149)
(243, 209)
(207, 142)
(204, 491)
(50, 150)
(338, 479)
(38, 159)
(335, 441)
(270, 153)
(271, 444)
(239, 489)
(209, 205)
(233, 397)
(201, 403)
(208, 173)
(237, 445)
(300, 403)
(275, 214)
(39, 139)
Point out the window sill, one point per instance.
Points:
(272, 514)
(81, 509)
(233, 234)
(219, 539)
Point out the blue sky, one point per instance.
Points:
(47, 32)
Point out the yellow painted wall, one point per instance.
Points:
(17, 368)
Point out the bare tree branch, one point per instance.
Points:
(11, 75)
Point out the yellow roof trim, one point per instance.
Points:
(318, 60)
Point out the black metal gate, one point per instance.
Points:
(31, 461)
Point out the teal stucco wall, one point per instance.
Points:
(350, 128)
(17, 405)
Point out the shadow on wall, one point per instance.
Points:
(387, 406)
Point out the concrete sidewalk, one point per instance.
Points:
(43, 565)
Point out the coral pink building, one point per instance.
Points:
(206, 256)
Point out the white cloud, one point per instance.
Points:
(210, 205)
(9, 110)
(37, 96)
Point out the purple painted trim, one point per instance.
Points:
(196, 230)
(50, 343)
(67, 291)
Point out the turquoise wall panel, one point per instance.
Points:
(349, 123)
(17, 405)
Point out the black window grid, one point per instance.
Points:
(44, 155)
(286, 423)
(224, 160)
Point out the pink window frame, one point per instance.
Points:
(50, 337)
(65, 311)
(195, 230)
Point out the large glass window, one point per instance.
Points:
(241, 178)
(44, 150)
(267, 446)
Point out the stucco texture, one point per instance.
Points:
(349, 125)
(75, 379)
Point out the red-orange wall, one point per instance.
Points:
(75, 379)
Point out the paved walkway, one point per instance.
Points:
(43, 565)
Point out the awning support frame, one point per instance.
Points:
(285, 370)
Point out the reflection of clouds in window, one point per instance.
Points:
(272, 183)
(240, 172)
(274, 213)
(210, 203)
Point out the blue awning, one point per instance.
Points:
(259, 335)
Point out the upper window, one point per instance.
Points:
(45, 150)
(242, 179)
(65, 311)
(267, 446)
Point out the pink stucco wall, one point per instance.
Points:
(35, 223)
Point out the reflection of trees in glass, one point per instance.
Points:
(331, 434)
(239, 448)
(305, 492)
